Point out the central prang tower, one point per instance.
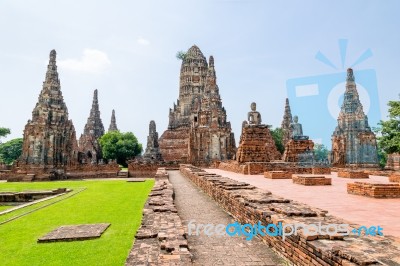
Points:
(198, 131)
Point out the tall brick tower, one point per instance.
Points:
(94, 129)
(113, 123)
(197, 130)
(353, 142)
(287, 120)
(49, 137)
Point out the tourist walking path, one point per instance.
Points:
(193, 204)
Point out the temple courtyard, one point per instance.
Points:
(334, 199)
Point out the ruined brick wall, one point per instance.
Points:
(248, 204)
(352, 174)
(174, 145)
(254, 168)
(160, 239)
(374, 190)
(295, 147)
(393, 162)
(148, 169)
(395, 177)
(256, 145)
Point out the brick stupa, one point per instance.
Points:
(353, 142)
(89, 141)
(49, 142)
(198, 131)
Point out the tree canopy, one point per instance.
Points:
(277, 135)
(389, 141)
(4, 132)
(320, 152)
(11, 150)
(181, 55)
(120, 146)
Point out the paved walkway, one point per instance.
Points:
(193, 204)
(335, 199)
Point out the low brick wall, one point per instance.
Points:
(321, 171)
(352, 174)
(278, 175)
(307, 180)
(395, 177)
(160, 239)
(259, 168)
(148, 169)
(374, 190)
(248, 204)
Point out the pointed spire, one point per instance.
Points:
(211, 78)
(287, 120)
(211, 61)
(350, 75)
(52, 74)
(94, 125)
(113, 124)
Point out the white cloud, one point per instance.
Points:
(93, 61)
(143, 41)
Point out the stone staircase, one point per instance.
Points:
(123, 173)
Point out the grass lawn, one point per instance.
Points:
(3, 208)
(117, 202)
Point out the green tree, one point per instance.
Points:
(4, 132)
(277, 135)
(320, 152)
(11, 150)
(181, 55)
(389, 133)
(120, 146)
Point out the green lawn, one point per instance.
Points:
(117, 202)
(3, 208)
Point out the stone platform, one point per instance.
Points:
(352, 174)
(278, 175)
(395, 177)
(374, 189)
(311, 180)
(75, 232)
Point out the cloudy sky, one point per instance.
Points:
(126, 50)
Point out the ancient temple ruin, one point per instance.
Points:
(152, 152)
(285, 125)
(198, 131)
(49, 137)
(89, 145)
(113, 123)
(256, 142)
(353, 142)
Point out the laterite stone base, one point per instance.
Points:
(311, 180)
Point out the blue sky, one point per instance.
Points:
(126, 50)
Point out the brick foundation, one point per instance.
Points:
(311, 180)
(352, 174)
(278, 175)
(148, 169)
(160, 239)
(248, 204)
(395, 177)
(374, 190)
